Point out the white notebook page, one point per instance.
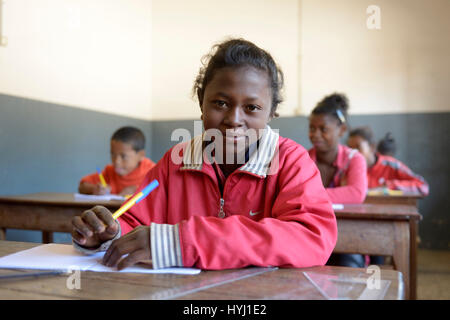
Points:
(65, 257)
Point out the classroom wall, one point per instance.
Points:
(134, 58)
(184, 31)
(139, 59)
(94, 55)
(403, 67)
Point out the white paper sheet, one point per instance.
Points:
(91, 197)
(65, 257)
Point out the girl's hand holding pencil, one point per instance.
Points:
(94, 227)
(98, 225)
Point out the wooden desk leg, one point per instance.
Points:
(413, 226)
(47, 237)
(2, 233)
(401, 257)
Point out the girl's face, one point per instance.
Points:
(234, 101)
(325, 132)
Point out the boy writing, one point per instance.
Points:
(128, 165)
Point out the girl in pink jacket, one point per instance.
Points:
(343, 170)
(234, 196)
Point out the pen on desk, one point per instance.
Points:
(138, 197)
(28, 275)
(102, 179)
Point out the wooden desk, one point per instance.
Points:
(45, 211)
(247, 284)
(412, 199)
(388, 230)
(366, 229)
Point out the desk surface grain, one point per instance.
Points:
(247, 283)
(378, 211)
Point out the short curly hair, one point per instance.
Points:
(239, 53)
(130, 135)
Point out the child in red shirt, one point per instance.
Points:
(129, 165)
(216, 212)
(385, 171)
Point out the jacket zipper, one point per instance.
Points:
(221, 212)
(221, 192)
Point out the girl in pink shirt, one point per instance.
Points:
(343, 170)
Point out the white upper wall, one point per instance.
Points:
(140, 58)
(103, 55)
(93, 54)
(402, 67)
(184, 31)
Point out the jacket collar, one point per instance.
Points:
(259, 162)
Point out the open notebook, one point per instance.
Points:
(91, 197)
(65, 257)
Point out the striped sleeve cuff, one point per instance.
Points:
(165, 246)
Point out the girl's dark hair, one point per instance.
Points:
(387, 145)
(335, 104)
(130, 135)
(364, 132)
(237, 53)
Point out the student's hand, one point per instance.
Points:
(94, 227)
(136, 244)
(128, 190)
(99, 189)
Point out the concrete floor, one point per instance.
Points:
(433, 274)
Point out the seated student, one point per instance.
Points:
(383, 170)
(211, 211)
(343, 170)
(387, 146)
(129, 165)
